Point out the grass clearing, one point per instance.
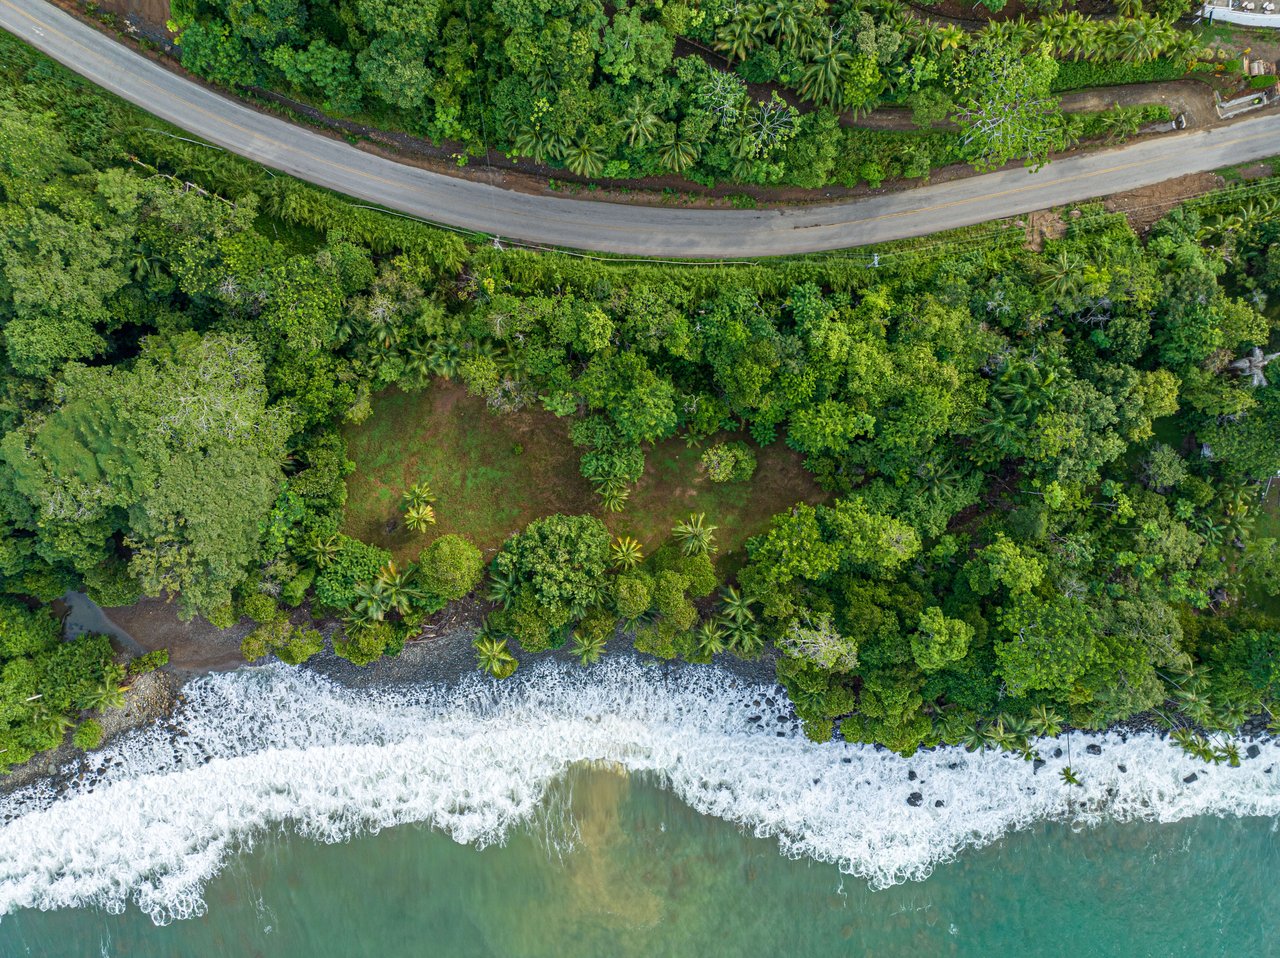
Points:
(495, 474)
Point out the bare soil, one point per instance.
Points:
(1258, 171)
(1190, 97)
(1142, 207)
(195, 646)
(1043, 225)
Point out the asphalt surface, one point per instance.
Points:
(614, 227)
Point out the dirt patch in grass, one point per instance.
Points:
(494, 474)
(1257, 171)
(1144, 206)
(1043, 225)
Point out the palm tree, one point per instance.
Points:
(710, 637)
(1068, 776)
(998, 433)
(950, 725)
(744, 638)
(493, 657)
(735, 606)
(640, 123)
(613, 492)
(740, 35)
(371, 603)
(108, 695)
(820, 79)
(695, 536)
(938, 477)
(145, 265)
(1060, 275)
(397, 589)
(585, 158)
(503, 588)
(1045, 721)
(417, 363)
(627, 553)
(53, 725)
(975, 738)
(1136, 40)
(588, 649)
(539, 144)
(324, 550)
(419, 517)
(677, 153)
(789, 22)
(445, 358)
(419, 494)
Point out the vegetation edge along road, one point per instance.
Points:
(615, 228)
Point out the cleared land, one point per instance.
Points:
(496, 473)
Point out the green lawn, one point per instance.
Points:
(494, 474)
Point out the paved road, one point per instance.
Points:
(614, 227)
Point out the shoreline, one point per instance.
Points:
(443, 657)
(278, 750)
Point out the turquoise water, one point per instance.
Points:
(613, 865)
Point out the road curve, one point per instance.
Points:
(615, 227)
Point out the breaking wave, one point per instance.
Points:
(161, 809)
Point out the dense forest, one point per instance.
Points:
(757, 93)
(1045, 468)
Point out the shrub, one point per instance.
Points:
(291, 645)
(88, 735)
(1263, 82)
(110, 585)
(368, 643)
(261, 608)
(633, 594)
(557, 566)
(729, 462)
(295, 590)
(44, 680)
(449, 568)
(149, 662)
(222, 616)
(355, 562)
(1081, 74)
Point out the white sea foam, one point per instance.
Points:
(270, 747)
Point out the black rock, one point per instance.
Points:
(1094, 749)
(1122, 768)
(1191, 778)
(1037, 764)
(915, 799)
(753, 718)
(1057, 753)
(782, 735)
(939, 803)
(911, 775)
(847, 760)
(1253, 751)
